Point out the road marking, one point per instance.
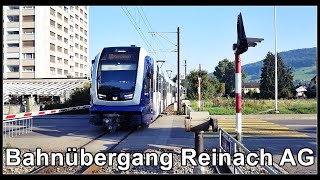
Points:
(258, 127)
(302, 125)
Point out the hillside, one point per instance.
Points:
(302, 62)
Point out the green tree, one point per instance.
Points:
(285, 78)
(225, 73)
(209, 85)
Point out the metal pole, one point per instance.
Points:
(199, 87)
(185, 77)
(198, 144)
(275, 65)
(238, 97)
(178, 73)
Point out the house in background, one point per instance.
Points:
(300, 92)
(246, 87)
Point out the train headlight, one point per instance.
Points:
(128, 96)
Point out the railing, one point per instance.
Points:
(229, 144)
(18, 124)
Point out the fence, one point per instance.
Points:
(18, 124)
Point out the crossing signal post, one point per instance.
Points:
(241, 47)
(199, 87)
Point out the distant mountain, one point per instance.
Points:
(302, 61)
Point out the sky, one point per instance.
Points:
(206, 32)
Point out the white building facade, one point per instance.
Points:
(45, 42)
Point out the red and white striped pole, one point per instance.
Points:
(238, 97)
(199, 87)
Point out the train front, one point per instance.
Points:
(117, 77)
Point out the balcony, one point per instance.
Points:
(27, 36)
(12, 49)
(27, 12)
(12, 74)
(27, 49)
(12, 62)
(27, 75)
(28, 25)
(12, 12)
(13, 37)
(12, 24)
(28, 62)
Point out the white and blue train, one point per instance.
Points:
(128, 88)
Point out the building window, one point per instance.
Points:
(28, 55)
(13, 7)
(85, 15)
(65, 40)
(71, 8)
(28, 18)
(28, 7)
(65, 61)
(81, 48)
(65, 8)
(59, 71)
(85, 23)
(76, 74)
(71, 38)
(13, 44)
(71, 48)
(71, 18)
(81, 29)
(52, 47)
(65, 19)
(28, 30)
(10, 59)
(77, 55)
(65, 30)
(85, 32)
(77, 45)
(28, 68)
(77, 8)
(77, 17)
(52, 12)
(85, 59)
(52, 70)
(81, 11)
(66, 51)
(71, 28)
(28, 43)
(81, 74)
(77, 26)
(81, 38)
(59, 60)
(81, 20)
(59, 15)
(77, 64)
(59, 26)
(12, 32)
(77, 36)
(65, 72)
(14, 68)
(85, 50)
(52, 23)
(59, 38)
(52, 35)
(81, 57)
(85, 40)
(13, 18)
(81, 66)
(59, 49)
(52, 59)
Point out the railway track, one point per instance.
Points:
(53, 169)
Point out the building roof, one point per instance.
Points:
(53, 88)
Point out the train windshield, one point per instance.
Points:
(117, 75)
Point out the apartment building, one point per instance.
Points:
(45, 42)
